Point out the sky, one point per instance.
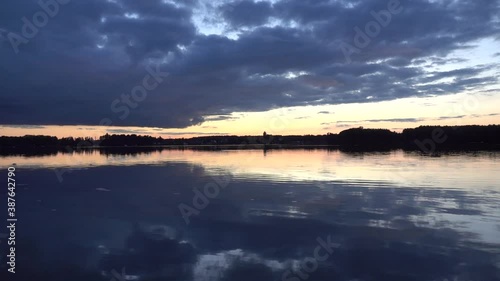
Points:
(198, 67)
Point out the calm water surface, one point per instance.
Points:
(253, 215)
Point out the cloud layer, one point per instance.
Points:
(228, 56)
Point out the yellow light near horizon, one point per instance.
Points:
(478, 109)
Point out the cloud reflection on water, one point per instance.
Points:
(257, 228)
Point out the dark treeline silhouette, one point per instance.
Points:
(41, 141)
(424, 138)
(369, 138)
(30, 145)
(456, 137)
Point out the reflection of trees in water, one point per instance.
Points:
(52, 151)
(29, 152)
(128, 151)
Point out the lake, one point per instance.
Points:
(303, 214)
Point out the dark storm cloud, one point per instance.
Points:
(92, 52)
(246, 13)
